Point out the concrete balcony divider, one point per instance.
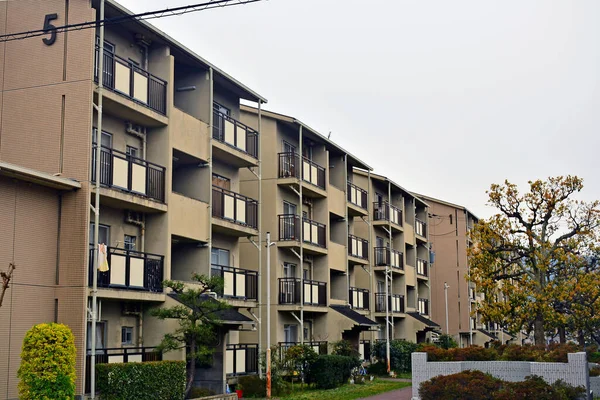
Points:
(574, 372)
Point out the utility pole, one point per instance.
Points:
(446, 296)
(97, 205)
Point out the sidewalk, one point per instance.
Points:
(401, 394)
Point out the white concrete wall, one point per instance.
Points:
(575, 372)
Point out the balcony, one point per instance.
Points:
(131, 270)
(239, 213)
(239, 283)
(422, 269)
(313, 232)
(129, 174)
(312, 173)
(359, 298)
(235, 143)
(129, 80)
(357, 200)
(384, 211)
(420, 228)
(395, 303)
(120, 355)
(383, 257)
(315, 293)
(423, 306)
(319, 347)
(358, 248)
(241, 359)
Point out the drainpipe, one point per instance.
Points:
(387, 288)
(96, 207)
(301, 159)
(347, 229)
(210, 166)
(143, 227)
(371, 252)
(258, 216)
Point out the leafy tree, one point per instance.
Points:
(524, 251)
(198, 317)
(446, 342)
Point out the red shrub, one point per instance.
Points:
(467, 385)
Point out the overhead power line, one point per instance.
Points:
(167, 12)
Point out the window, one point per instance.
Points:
(307, 152)
(219, 256)
(289, 208)
(221, 181)
(100, 335)
(105, 138)
(306, 273)
(289, 270)
(131, 151)
(290, 333)
(126, 335)
(107, 45)
(221, 109)
(288, 148)
(307, 331)
(103, 234)
(129, 242)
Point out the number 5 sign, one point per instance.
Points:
(49, 28)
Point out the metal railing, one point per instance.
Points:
(357, 196)
(129, 173)
(359, 298)
(234, 207)
(383, 257)
(241, 359)
(289, 167)
(290, 228)
(315, 292)
(420, 227)
(239, 283)
(422, 269)
(129, 269)
(234, 133)
(423, 306)
(384, 211)
(121, 355)
(320, 347)
(358, 247)
(124, 77)
(395, 303)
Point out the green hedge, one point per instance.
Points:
(161, 380)
(47, 368)
(400, 354)
(330, 371)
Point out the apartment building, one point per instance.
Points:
(449, 228)
(337, 228)
(171, 201)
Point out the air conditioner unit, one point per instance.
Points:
(134, 217)
(135, 130)
(131, 308)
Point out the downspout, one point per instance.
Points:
(371, 252)
(210, 165)
(468, 276)
(143, 227)
(391, 246)
(387, 289)
(301, 159)
(347, 229)
(258, 216)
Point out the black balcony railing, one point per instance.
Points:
(395, 303)
(422, 269)
(132, 174)
(232, 132)
(311, 172)
(384, 211)
(239, 283)
(365, 349)
(359, 298)
(420, 227)
(289, 229)
(358, 247)
(243, 358)
(383, 257)
(315, 292)
(320, 347)
(120, 355)
(357, 196)
(423, 306)
(234, 207)
(124, 77)
(130, 269)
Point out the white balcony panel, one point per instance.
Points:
(134, 358)
(228, 210)
(240, 361)
(136, 271)
(117, 269)
(240, 289)
(138, 178)
(229, 361)
(120, 169)
(241, 210)
(140, 87)
(228, 278)
(122, 78)
(115, 359)
(229, 132)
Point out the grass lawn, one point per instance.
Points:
(404, 375)
(346, 392)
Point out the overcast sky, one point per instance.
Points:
(443, 97)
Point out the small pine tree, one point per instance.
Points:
(47, 368)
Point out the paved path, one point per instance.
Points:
(401, 394)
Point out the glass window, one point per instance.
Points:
(289, 208)
(219, 256)
(289, 270)
(103, 234)
(290, 333)
(221, 181)
(131, 151)
(221, 109)
(126, 335)
(129, 242)
(288, 148)
(100, 335)
(105, 139)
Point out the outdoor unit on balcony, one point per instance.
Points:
(131, 308)
(134, 217)
(136, 130)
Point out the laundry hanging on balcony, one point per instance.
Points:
(102, 258)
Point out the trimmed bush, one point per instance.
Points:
(446, 342)
(252, 386)
(472, 385)
(197, 392)
(47, 370)
(475, 385)
(555, 353)
(400, 354)
(330, 371)
(161, 380)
